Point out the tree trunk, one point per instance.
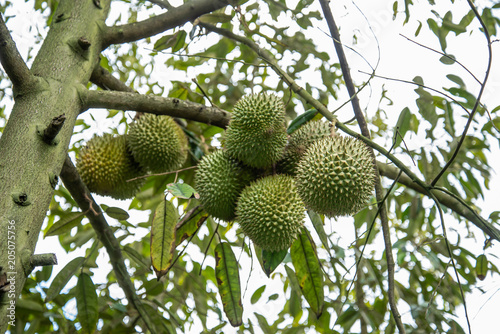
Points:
(29, 163)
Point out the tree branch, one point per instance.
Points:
(451, 202)
(379, 193)
(156, 105)
(173, 18)
(105, 80)
(12, 62)
(85, 201)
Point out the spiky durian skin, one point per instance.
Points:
(256, 134)
(105, 164)
(299, 142)
(157, 143)
(219, 180)
(270, 212)
(335, 177)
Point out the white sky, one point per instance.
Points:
(399, 59)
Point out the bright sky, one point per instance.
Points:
(399, 58)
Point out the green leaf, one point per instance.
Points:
(271, 260)
(264, 326)
(402, 126)
(63, 277)
(348, 317)
(175, 41)
(163, 237)
(65, 224)
(301, 120)
(257, 294)
(319, 226)
(182, 190)
(448, 59)
(228, 281)
(481, 267)
(86, 302)
(308, 271)
(274, 296)
(456, 79)
(189, 224)
(117, 213)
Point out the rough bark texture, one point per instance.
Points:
(63, 67)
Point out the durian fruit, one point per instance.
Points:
(335, 177)
(219, 180)
(256, 134)
(299, 142)
(157, 143)
(105, 164)
(270, 212)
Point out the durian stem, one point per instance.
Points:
(378, 184)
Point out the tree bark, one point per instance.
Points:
(29, 166)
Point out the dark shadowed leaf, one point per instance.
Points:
(271, 260)
(117, 213)
(402, 126)
(86, 302)
(301, 120)
(228, 281)
(63, 277)
(65, 225)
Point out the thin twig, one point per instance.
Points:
(160, 174)
(478, 99)
(442, 54)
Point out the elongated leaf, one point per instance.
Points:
(189, 224)
(86, 303)
(182, 190)
(271, 260)
(257, 294)
(163, 237)
(301, 120)
(402, 126)
(481, 267)
(308, 271)
(63, 277)
(294, 283)
(228, 280)
(117, 213)
(64, 225)
(319, 227)
(264, 326)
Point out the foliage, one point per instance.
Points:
(204, 66)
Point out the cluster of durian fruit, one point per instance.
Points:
(153, 144)
(265, 181)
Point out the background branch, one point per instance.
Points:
(12, 62)
(173, 18)
(86, 202)
(156, 105)
(379, 193)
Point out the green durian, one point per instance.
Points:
(157, 143)
(270, 212)
(336, 176)
(219, 180)
(256, 133)
(105, 164)
(298, 143)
